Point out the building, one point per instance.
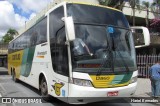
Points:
(140, 15)
(3, 54)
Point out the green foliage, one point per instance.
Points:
(146, 6)
(156, 5)
(118, 4)
(134, 4)
(9, 35)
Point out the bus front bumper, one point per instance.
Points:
(82, 95)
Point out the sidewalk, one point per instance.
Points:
(3, 71)
(143, 88)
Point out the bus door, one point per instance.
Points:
(59, 54)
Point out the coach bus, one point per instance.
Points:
(76, 51)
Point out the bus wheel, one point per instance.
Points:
(14, 76)
(44, 89)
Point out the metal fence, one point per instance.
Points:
(144, 62)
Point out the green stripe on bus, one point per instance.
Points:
(27, 61)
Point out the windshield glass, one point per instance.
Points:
(109, 49)
(96, 15)
(101, 46)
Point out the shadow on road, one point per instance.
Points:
(3, 73)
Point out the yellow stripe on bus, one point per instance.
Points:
(84, 3)
(14, 62)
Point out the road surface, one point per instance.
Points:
(9, 88)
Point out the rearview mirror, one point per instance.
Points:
(69, 27)
(141, 36)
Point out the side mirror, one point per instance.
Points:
(69, 27)
(141, 36)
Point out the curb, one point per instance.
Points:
(3, 72)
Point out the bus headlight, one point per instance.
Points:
(133, 80)
(81, 82)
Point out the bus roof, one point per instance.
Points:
(95, 5)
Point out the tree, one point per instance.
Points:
(155, 23)
(146, 6)
(134, 4)
(118, 4)
(9, 35)
(156, 4)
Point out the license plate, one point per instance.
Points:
(115, 93)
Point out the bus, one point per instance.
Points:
(141, 36)
(77, 52)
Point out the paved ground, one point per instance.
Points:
(21, 89)
(143, 88)
(8, 88)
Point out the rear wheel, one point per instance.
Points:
(14, 76)
(44, 89)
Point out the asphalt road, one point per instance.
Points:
(9, 88)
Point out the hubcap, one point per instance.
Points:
(44, 88)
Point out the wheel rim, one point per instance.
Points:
(13, 76)
(44, 88)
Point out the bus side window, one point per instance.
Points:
(41, 30)
(12, 47)
(33, 38)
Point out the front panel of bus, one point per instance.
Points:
(103, 54)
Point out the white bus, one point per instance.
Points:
(77, 50)
(141, 36)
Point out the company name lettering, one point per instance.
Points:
(16, 57)
(102, 78)
(42, 53)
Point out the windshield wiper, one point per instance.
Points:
(105, 62)
(108, 61)
(84, 55)
(125, 64)
(111, 57)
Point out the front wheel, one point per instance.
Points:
(44, 89)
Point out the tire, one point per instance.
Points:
(14, 77)
(44, 89)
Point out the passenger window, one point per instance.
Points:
(41, 30)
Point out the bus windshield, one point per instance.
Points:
(96, 15)
(96, 49)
